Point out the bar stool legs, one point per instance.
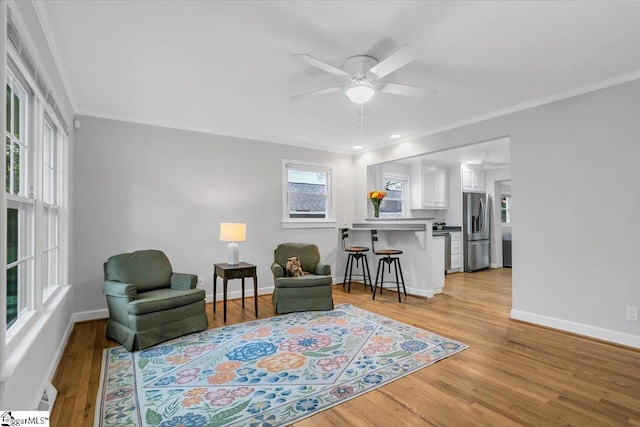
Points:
(356, 253)
(388, 260)
(366, 274)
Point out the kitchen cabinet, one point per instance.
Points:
(472, 178)
(428, 187)
(456, 251)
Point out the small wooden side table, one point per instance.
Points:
(234, 271)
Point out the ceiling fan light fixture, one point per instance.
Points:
(359, 93)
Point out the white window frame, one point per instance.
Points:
(40, 285)
(405, 194)
(507, 209)
(329, 220)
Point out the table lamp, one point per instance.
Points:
(233, 232)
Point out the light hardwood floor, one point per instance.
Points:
(512, 374)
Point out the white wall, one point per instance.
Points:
(139, 186)
(573, 166)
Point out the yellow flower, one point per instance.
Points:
(376, 195)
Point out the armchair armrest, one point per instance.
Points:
(277, 270)
(183, 281)
(119, 289)
(322, 269)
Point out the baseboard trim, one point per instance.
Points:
(578, 328)
(84, 316)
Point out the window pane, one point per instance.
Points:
(12, 296)
(8, 164)
(16, 168)
(49, 184)
(16, 116)
(307, 194)
(12, 235)
(8, 110)
(392, 204)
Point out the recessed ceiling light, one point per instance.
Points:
(357, 147)
(395, 136)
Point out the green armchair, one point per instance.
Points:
(305, 293)
(149, 303)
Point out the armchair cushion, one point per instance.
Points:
(164, 299)
(303, 281)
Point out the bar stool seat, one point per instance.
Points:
(388, 258)
(357, 254)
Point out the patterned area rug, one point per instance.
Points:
(263, 373)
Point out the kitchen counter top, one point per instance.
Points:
(449, 229)
(390, 226)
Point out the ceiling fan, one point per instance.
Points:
(487, 163)
(364, 74)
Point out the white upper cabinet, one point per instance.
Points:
(428, 187)
(472, 179)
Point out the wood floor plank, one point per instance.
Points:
(513, 373)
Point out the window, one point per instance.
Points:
(395, 204)
(20, 207)
(505, 208)
(33, 160)
(308, 192)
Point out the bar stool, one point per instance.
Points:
(355, 253)
(387, 258)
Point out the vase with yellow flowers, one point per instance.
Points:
(376, 198)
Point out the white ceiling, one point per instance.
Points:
(228, 67)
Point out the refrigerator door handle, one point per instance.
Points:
(481, 217)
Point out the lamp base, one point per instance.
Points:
(233, 254)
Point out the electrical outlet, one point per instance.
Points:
(632, 314)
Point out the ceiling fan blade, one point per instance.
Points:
(404, 90)
(316, 92)
(397, 59)
(315, 62)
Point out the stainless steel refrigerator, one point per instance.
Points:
(476, 231)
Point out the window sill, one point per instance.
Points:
(309, 224)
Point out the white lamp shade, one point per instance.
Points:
(360, 94)
(233, 232)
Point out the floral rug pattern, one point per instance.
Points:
(262, 373)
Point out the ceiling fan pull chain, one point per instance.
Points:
(361, 119)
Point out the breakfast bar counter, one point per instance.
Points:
(422, 262)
